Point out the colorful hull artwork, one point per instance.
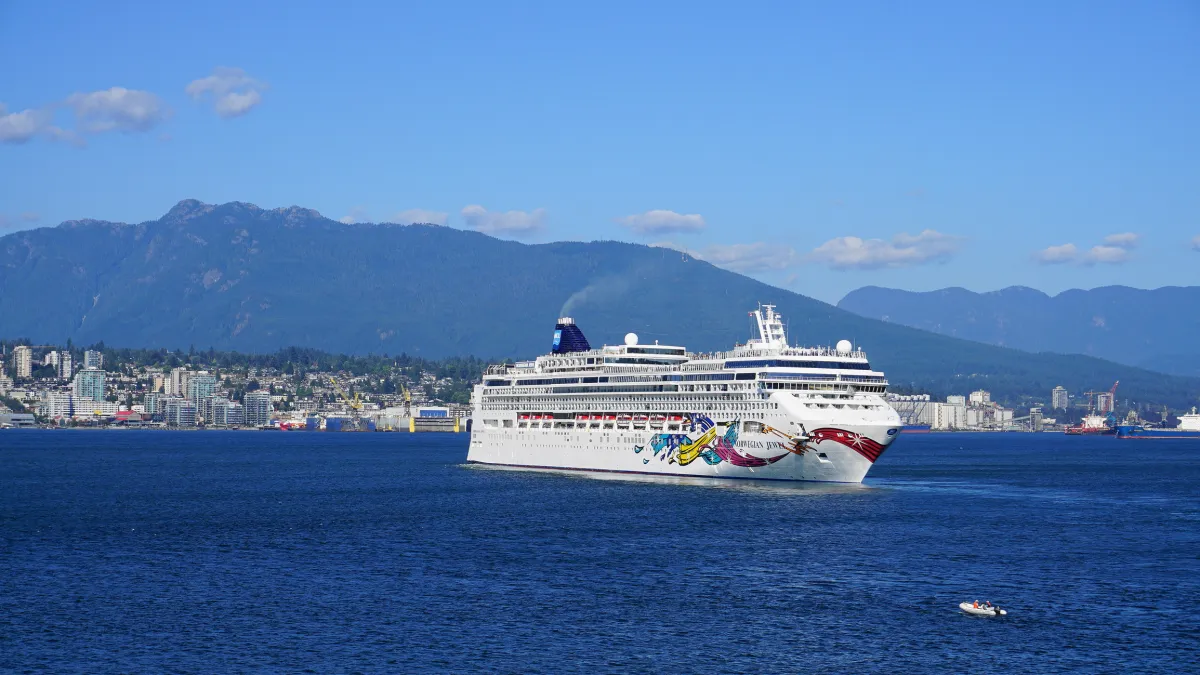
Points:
(715, 447)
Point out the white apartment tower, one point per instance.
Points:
(1059, 399)
(23, 361)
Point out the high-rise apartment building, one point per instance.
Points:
(50, 359)
(180, 413)
(22, 357)
(179, 381)
(65, 367)
(258, 408)
(93, 359)
(199, 385)
(1059, 400)
(154, 402)
(89, 384)
(227, 413)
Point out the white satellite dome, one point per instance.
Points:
(844, 347)
(630, 339)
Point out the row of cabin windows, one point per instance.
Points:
(706, 377)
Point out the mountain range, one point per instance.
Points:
(1155, 329)
(236, 276)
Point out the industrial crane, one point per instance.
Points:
(354, 404)
(1112, 397)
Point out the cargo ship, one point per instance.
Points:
(764, 410)
(917, 428)
(1189, 427)
(1092, 425)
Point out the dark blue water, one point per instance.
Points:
(213, 552)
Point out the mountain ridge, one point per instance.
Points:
(1148, 328)
(235, 276)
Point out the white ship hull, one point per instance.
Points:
(839, 445)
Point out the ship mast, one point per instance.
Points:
(770, 327)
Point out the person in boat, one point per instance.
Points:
(976, 604)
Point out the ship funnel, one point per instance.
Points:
(568, 338)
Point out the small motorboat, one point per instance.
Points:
(981, 610)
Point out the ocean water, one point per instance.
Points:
(154, 552)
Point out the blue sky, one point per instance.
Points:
(817, 146)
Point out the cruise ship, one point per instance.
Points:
(763, 410)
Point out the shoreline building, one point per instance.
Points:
(1059, 399)
(180, 413)
(258, 408)
(89, 384)
(226, 413)
(200, 385)
(93, 359)
(152, 403)
(22, 357)
(177, 386)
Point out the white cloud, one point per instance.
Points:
(515, 223)
(20, 127)
(422, 216)
(357, 215)
(233, 92)
(902, 251)
(749, 258)
(1125, 240)
(1109, 255)
(660, 221)
(117, 109)
(1196, 243)
(1114, 251)
(1055, 255)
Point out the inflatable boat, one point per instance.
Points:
(969, 608)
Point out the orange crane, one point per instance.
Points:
(1112, 397)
